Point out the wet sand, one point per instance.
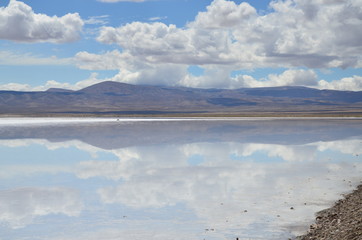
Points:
(343, 221)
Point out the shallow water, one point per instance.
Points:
(133, 179)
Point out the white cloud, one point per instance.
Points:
(19, 23)
(221, 78)
(157, 18)
(11, 58)
(132, 70)
(230, 36)
(27, 87)
(225, 14)
(351, 83)
(97, 20)
(93, 79)
(226, 37)
(212, 78)
(287, 78)
(18, 207)
(16, 87)
(165, 74)
(151, 40)
(107, 61)
(160, 43)
(228, 33)
(136, 71)
(294, 77)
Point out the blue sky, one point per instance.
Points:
(193, 43)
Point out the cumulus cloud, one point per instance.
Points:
(166, 74)
(132, 70)
(225, 37)
(136, 71)
(351, 83)
(16, 87)
(225, 14)
(108, 61)
(229, 36)
(97, 20)
(226, 33)
(26, 87)
(92, 79)
(19, 23)
(146, 39)
(220, 78)
(20, 206)
(287, 78)
(160, 43)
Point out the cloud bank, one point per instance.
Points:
(229, 36)
(296, 35)
(227, 33)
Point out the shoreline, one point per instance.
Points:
(66, 120)
(342, 221)
(109, 119)
(171, 116)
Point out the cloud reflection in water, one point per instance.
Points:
(247, 178)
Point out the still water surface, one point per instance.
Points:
(195, 179)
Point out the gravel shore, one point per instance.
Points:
(343, 221)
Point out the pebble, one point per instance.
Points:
(340, 222)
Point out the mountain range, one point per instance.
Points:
(114, 98)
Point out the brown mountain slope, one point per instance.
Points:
(121, 98)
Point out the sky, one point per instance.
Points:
(193, 43)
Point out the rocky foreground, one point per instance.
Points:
(343, 221)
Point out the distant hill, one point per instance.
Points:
(59, 90)
(121, 98)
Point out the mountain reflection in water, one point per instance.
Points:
(156, 180)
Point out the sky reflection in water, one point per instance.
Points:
(255, 179)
